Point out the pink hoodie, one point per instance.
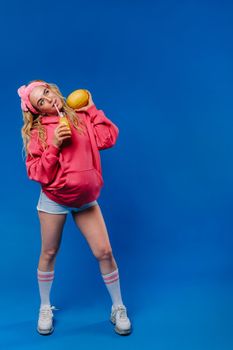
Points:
(72, 175)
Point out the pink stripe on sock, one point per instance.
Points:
(110, 277)
(48, 275)
(45, 279)
(116, 279)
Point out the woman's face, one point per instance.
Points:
(44, 100)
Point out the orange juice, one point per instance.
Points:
(63, 119)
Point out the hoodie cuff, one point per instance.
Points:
(54, 149)
(92, 110)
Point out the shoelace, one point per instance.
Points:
(46, 312)
(122, 312)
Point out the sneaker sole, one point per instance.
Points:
(120, 331)
(45, 332)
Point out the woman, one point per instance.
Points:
(65, 160)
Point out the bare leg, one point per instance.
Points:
(51, 234)
(91, 224)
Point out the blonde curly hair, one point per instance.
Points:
(33, 121)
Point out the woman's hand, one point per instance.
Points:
(90, 103)
(61, 133)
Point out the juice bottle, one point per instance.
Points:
(63, 119)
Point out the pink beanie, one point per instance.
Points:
(24, 92)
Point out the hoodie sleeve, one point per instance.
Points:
(105, 131)
(42, 166)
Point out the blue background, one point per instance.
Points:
(162, 71)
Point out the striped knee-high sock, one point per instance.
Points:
(112, 282)
(45, 280)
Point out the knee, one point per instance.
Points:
(104, 253)
(49, 254)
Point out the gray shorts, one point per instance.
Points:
(49, 206)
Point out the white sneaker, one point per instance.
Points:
(45, 322)
(120, 320)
